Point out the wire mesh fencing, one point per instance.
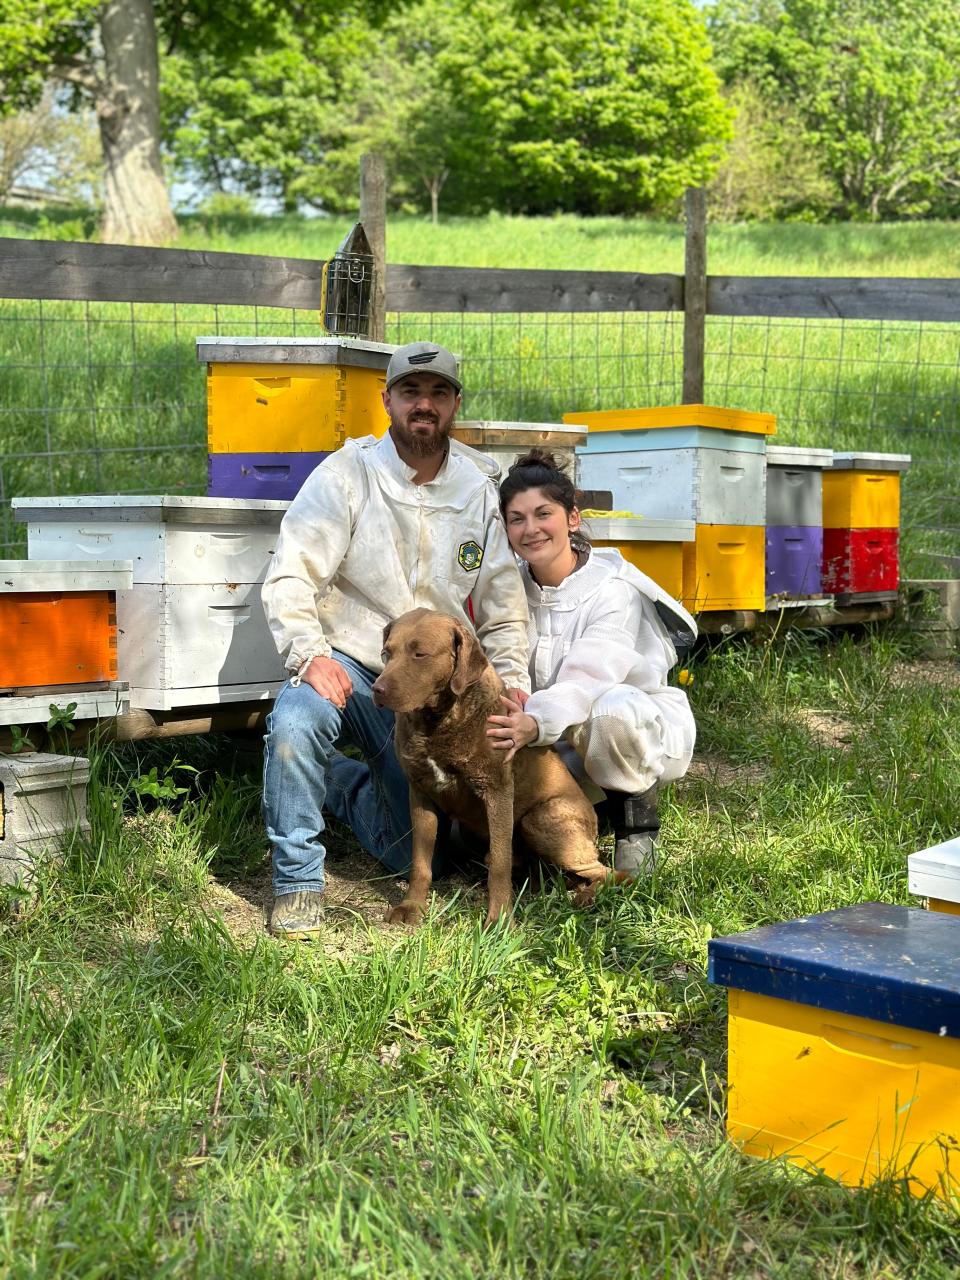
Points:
(109, 397)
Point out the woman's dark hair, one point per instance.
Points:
(538, 469)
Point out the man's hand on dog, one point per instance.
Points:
(330, 680)
(513, 730)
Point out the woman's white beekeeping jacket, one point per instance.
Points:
(361, 544)
(607, 624)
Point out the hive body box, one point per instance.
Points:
(276, 407)
(192, 626)
(934, 874)
(794, 518)
(58, 622)
(861, 519)
(655, 547)
(690, 462)
(506, 441)
(844, 1043)
(42, 801)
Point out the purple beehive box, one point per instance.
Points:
(794, 557)
(259, 475)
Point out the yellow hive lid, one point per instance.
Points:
(676, 415)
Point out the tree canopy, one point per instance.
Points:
(604, 106)
(874, 84)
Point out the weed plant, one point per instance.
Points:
(177, 1099)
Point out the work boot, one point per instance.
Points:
(297, 915)
(636, 828)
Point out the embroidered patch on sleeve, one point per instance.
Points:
(470, 555)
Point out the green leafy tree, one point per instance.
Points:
(874, 83)
(600, 106)
(107, 52)
(771, 171)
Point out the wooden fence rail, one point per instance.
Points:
(44, 269)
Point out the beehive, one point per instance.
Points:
(794, 519)
(192, 626)
(934, 874)
(506, 441)
(655, 547)
(723, 568)
(861, 519)
(58, 623)
(276, 407)
(42, 802)
(844, 1043)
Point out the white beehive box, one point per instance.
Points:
(43, 801)
(935, 872)
(192, 629)
(709, 485)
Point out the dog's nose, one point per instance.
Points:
(379, 694)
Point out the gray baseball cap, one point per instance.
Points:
(423, 357)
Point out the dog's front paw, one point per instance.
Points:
(499, 913)
(407, 913)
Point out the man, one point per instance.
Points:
(380, 527)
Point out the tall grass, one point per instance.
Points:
(179, 1100)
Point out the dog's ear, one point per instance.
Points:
(469, 662)
(386, 632)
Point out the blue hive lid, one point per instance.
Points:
(894, 964)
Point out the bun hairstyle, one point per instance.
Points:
(539, 469)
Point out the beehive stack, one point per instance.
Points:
(794, 537)
(861, 524)
(506, 441)
(192, 626)
(934, 874)
(844, 1043)
(276, 407)
(690, 462)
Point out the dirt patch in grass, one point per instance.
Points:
(721, 772)
(827, 727)
(940, 672)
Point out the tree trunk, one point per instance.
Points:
(137, 208)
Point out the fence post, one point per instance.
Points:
(694, 294)
(373, 215)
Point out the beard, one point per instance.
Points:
(419, 444)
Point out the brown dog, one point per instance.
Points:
(442, 688)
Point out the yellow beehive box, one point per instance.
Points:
(292, 395)
(655, 547)
(934, 874)
(724, 568)
(862, 490)
(844, 1044)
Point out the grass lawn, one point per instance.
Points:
(182, 1096)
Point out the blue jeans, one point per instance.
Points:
(303, 773)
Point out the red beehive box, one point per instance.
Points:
(860, 560)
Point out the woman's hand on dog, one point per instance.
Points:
(513, 730)
(330, 680)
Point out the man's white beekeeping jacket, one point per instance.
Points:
(607, 624)
(361, 544)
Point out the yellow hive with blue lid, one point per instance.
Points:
(844, 1043)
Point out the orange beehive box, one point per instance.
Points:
(58, 622)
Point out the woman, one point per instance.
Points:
(602, 642)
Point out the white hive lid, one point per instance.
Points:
(167, 508)
(870, 461)
(935, 872)
(638, 529)
(352, 351)
(788, 455)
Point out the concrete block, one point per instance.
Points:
(43, 801)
